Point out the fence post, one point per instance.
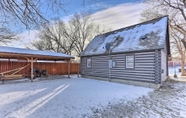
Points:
(32, 69)
(78, 69)
(68, 68)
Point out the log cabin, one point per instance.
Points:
(136, 55)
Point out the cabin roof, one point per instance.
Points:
(144, 36)
(11, 52)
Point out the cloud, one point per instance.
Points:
(25, 39)
(119, 16)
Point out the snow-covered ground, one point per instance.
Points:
(82, 97)
(74, 97)
(173, 70)
(167, 102)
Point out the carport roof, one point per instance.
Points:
(21, 53)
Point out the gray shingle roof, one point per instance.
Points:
(143, 36)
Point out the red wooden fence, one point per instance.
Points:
(52, 68)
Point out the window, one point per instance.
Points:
(89, 63)
(129, 61)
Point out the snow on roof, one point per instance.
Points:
(144, 36)
(4, 49)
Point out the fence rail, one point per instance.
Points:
(52, 68)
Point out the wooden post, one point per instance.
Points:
(78, 69)
(32, 69)
(68, 68)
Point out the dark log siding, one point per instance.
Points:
(99, 66)
(147, 67)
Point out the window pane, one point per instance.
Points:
(130, 65)
(130, 58)
(89, 61)
(129, 61)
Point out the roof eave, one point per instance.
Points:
(39, 57)
(134, 51)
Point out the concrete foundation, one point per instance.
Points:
(136, 83)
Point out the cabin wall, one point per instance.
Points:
(147, 67)
(99, 66)
(163, 65)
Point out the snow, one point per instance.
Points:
(74, 97)
(32, 52)
(166, 102)
(128, 39)
(173, 70)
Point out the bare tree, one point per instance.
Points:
(70, 37)
(177, 23)
(54, 37)
(82, 29)
(6, 36)
(29, 14)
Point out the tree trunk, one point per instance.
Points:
(182, 67)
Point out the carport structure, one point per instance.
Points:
(33, 55)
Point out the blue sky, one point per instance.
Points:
(73, 6)
(95, 5)
(114, 14)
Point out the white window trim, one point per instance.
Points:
(129, 62)
(89, 66)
